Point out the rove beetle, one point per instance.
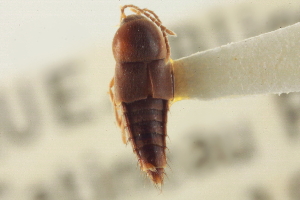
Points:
(143, 87)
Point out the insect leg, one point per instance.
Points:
(111, 84)
(122, 127)
(119, 120)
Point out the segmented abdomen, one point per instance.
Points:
(146, 122)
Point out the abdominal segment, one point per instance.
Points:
(146, 122)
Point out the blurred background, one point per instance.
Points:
(58, 136)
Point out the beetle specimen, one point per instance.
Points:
(143, 87)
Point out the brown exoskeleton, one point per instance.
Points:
(143, 87)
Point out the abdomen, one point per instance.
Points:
(146, 123)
